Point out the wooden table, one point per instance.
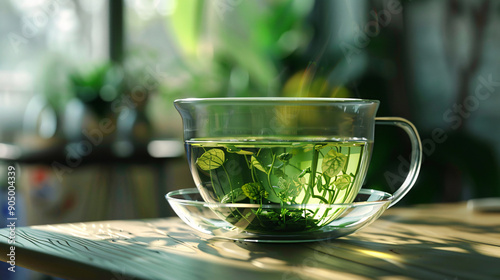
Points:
(422, 242)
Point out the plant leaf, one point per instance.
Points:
(234, 196)
(294, 189)
(282, 183)
(278, 172)
(243, 152)
(254, 191)
(333, 163)
(234, 150)
(287, 190)
(343, 181)
(285, 156)
(255, 163)
(211, 159)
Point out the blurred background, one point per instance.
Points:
(86, 91)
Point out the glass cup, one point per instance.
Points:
(286, 151)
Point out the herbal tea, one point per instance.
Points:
(280, 172)
(294, 182)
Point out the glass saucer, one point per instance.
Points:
(266, 223)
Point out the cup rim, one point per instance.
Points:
(277, 99)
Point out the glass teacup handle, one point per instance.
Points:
(416, 154)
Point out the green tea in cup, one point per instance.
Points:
(285, 151)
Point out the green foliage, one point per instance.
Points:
(343, 181)
(233, 49)
(274, 177)
(99, 86)
(234, 196)
(254, 191)
(255, 163)
(294, 220)
(285, 156)
(333, 163)
(287, 189)
(211, 159)
(232, 149)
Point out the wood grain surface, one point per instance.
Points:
(422, 242)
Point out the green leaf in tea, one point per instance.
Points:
(333, 163)
(211, 159)
(343, 181)
(278, 172)
(254, 191)
(294, 189)
(282, 183)
(255, 163)
(285, 156)
(234, 150)
(288, 189)
(234, 196)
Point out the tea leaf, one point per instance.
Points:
(278, 172)
(234, 150)
(273, 194)
(294, 189)
(233, 196)
(333, 163)
(343, 181)
(257, 164)
(282, 183)
(288, 190)
(211, 159)
(285, 156)
(254, 191)
(318, 147)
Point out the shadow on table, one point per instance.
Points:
(430, 248)
(418, 248)
(445, 222)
